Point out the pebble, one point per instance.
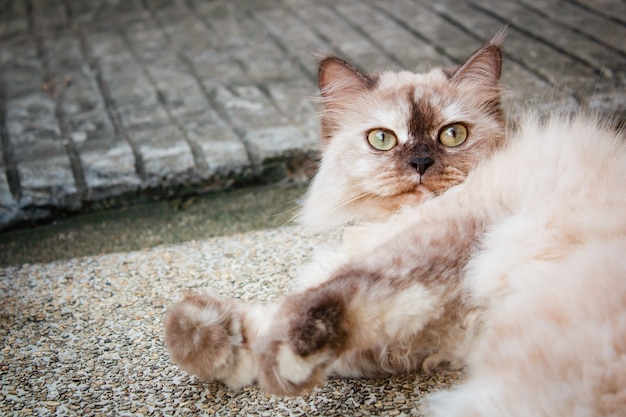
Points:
(104, 355)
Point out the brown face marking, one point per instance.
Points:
(421, 118)
(319, 327)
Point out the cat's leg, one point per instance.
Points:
(384, 295)
(350, 313)
(209, 336)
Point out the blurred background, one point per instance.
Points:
(126, 124)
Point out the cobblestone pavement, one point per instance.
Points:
(107, 101)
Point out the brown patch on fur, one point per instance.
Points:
(319, 326)
(194, 345)
(422, 118)
(311, 323)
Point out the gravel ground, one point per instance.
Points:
(84, 336)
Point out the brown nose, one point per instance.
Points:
(421, 164)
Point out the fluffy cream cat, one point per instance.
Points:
(512, 265)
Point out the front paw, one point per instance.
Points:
(203, 335)
(296, 352)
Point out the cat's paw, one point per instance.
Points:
(203, 334)
(296, 352)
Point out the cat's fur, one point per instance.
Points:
(517, 271)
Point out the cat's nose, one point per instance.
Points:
(421, 164)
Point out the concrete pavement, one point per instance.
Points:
(104, 103)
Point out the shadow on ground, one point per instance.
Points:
(148, 225)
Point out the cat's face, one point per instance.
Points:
(394, 138)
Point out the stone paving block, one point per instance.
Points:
(434, 28)
(296, 100)
(218, 68)
(127, 83)
(9, 210)
(109, 14)
(346, 40)
(13, 19)
(185, 97)
(249, 107)
(583, 48)
(48, 14)
(61, 53)
(185, 29)
(224, 152)
(31, 119)
(230, 28)
(108, 47)
(411, 52)
(84, 11)
(604, 31)
(535, 55)
(265, 61)
(39, 153)
(177, 89)
(148, 42)
(297, 38)
(109, 166)
(270, 143)
(167, 157)
(612, 9)
(136, 117)
(46, 175)
(22, 72)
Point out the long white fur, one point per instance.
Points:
(554, 271)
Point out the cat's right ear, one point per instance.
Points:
(339, 80)
(484, 66)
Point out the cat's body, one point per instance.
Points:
(517, 272)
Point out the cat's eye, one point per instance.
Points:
(381, 139)
(453, 135)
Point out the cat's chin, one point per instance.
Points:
(382, 208)
(414, 197)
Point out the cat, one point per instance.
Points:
(357, 183)
(499, 253)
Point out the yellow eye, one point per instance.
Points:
(453, 135)
(383, 140)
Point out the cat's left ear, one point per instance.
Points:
(338, 80)
(483, 66)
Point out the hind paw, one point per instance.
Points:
(204, 337)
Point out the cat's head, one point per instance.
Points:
(396, 138)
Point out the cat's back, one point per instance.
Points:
(564, 167)
(555, 188)
(554, 273)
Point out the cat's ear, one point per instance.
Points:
(338, 80)
(484, 66)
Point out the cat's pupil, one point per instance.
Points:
(453, 135)
(382, 140)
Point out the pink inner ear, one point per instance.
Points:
(337, 78)
(483, 66)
